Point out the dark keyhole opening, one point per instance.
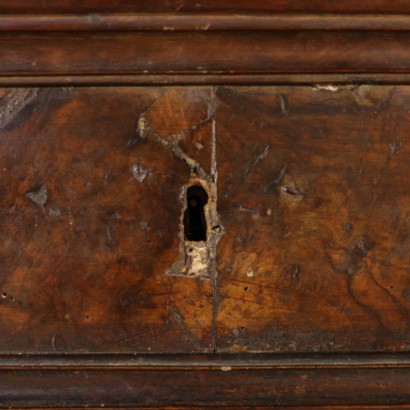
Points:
(194, 216)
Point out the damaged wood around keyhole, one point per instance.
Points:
(195, 227)
(200, 231)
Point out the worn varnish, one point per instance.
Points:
(90, 216)
(303, 248)
(204, 204)
(197, 6)
(312, 209)
(314, 196)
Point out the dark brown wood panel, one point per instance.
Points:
(206, 79)
(239, 407)
(90, 213)
(108, 299)
(314, 196)
(208, 388)
(229, 6)
(204, 53)
(202, 22)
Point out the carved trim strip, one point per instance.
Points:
(198, 6)
(203, 22)
(192, 79)
(223, 383)
(199, 362)
(204, 53)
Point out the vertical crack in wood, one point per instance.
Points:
(214, 177)
(197, 258)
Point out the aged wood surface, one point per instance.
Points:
(198, 6)
(229, 52)
(312, 196)
(315, 200)
(90, 215)
(366, 381)
(206, 79)
(299, 295)
(238, 407)
(311, 214)
(54, 42)
(216, 387)
(202, 22)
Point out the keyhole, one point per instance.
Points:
(194, 216)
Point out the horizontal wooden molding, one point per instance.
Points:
(203, 53)
(369, 407)
(205, 361)
(202, 22)
(160, 381)
(229, 6)
(201, 79)
(154, 43)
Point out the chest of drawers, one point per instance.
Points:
(204, 204)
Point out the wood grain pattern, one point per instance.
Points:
(202, 22)
(215, 387)
(232, 52)
(121, 79)
(197, 6)
(311, 211)
(333, 407)
(90, 211)
(314, 197)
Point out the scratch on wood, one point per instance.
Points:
(53, 342)
(192, 164)
(13, 102)
(283, 104)
(258, 159)
(109, 236)
(277, 180)
(180, 320)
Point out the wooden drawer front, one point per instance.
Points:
(90, 214)
(314, 195)
(307, 219)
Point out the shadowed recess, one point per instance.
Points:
(194, 217)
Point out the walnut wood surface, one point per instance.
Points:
(313, 204)
(314, 197)
(217, 386)
(197, 6)
(195, 42)
(90, 223)
(120, 79)
(143, 53)
(313, 200)
(202, 22)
